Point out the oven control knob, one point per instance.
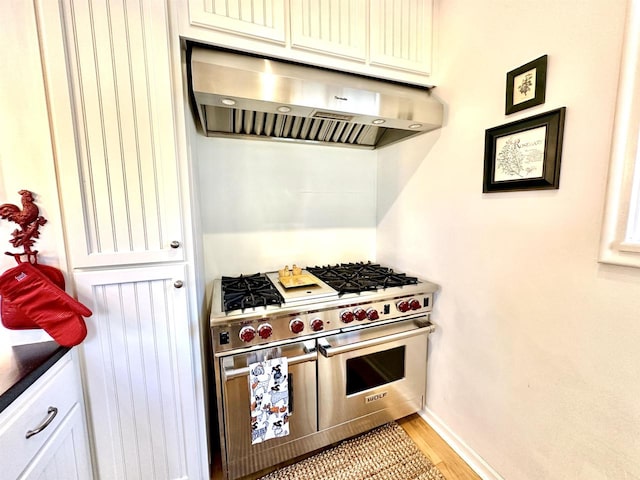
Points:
(360, 314)
(403, 306)
(265, 330)
(414, 304)
(346, 316)
(372, 314)
(317, 325)
(296, 325)
(247, 334)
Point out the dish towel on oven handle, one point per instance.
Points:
(269, 394)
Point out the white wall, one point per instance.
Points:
(266, 204)
(26, 156)
(535, 363)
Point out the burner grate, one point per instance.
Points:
(248, 291)
(360, 277)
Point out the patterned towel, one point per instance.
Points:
(269, 396)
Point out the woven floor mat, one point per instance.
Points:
(384, 453)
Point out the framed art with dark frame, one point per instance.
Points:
(524, 155)
(526, 85)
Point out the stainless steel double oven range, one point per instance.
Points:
(355, 342)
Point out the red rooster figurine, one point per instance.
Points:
(28, 219)
(23, 217)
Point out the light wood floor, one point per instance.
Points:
(427, 440)
(436, 449)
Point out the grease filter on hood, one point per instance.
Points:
(249, 97)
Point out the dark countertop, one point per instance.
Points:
(22, 365)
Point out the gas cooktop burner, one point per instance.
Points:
(252, 310)
(359, 277)
(249, 291)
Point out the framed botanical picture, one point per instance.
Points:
(526, 85)
(524, 155)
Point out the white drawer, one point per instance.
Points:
(57, 388)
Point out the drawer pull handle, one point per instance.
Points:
(51, 414)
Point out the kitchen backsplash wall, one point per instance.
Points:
(269, 204)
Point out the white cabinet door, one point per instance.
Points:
(138, 373)
(401, 34)
(113, 125)
(52, 409)
(337, 27)
(263, 19)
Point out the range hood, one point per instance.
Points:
(250, 97)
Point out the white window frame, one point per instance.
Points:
(620, 242)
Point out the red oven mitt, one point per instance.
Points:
(46, 304)
(13, 317)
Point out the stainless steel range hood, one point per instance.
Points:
(245, 96)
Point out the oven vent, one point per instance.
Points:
(249, 97)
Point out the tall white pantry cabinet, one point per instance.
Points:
(127, 222)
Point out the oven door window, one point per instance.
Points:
(375, 369)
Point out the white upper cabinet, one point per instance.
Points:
(263, 19)
(114, 131)
(382, 38)
(334, 27)
(402, 34)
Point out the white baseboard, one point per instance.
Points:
(475, 461)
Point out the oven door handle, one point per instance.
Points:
(329, 351)
(231, 373)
